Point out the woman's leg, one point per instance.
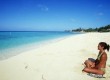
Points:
(92, 70)
(89, 64)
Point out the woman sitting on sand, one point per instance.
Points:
(97, 66)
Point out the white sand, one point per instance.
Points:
(61, 60)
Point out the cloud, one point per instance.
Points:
(73, 20)
(43, 7)
(100, 5)
(100, 13)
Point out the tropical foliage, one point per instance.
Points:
(100, 29)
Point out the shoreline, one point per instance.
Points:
(60, 60)
(14, 51)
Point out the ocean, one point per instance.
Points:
(15, 42)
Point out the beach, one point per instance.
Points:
(60, 60)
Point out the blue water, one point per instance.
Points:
(15, 39)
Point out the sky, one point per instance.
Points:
(53, 15)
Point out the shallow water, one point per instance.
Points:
(12, 43)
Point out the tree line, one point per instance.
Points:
(100, 29)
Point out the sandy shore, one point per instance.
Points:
(61, 60)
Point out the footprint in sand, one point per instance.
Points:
(26, 65)
(43, 78)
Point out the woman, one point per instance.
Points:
(98, 66)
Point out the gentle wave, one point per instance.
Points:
(11, 43)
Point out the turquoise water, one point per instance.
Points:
(16, 39)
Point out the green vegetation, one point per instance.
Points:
(101, 29)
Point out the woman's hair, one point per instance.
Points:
(105, 45)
